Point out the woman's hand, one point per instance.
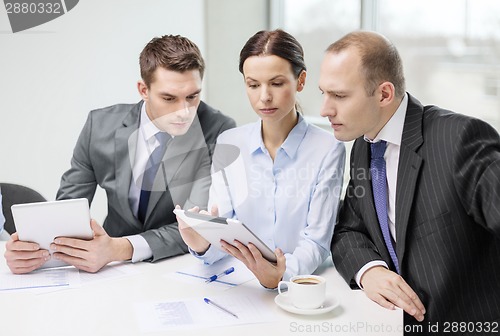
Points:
(268, 274)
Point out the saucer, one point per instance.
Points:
(284, 303)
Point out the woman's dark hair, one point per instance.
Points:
(276, 42)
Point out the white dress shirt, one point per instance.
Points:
(146, 144)
(291, 202)
(391, 133)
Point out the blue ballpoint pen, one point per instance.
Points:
(217, 276)
(208, 301)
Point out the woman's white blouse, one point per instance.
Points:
(290, 203)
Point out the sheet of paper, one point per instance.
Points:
(200, 272)
(66, 277)
(111, 271)
(195, 313)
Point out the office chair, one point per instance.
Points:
(16, 194)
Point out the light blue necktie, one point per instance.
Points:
(148, 179)
(379, 186)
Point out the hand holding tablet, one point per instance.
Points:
(42, 222)
(214, 229)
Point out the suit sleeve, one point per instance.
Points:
(352, 247)
(165, 242)
(80, 181)
(477, 173)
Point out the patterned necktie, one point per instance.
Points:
(148, 179)
(379, 186)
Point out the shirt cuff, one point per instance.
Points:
(196, 254)
(365, 268)
(142, 251)
(210, 256)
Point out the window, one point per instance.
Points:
(315, 24)
(449, 47)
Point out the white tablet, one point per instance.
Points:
(215, 229)
(42, 222)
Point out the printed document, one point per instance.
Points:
(196, 313)
(65, 277)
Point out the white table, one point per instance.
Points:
(107, 307)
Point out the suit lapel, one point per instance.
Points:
(125, 145)
(408, 171)
(177, 151)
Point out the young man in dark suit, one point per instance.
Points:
(148, 157)
(420, 224)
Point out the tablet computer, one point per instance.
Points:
(215, 229)
(43, 221)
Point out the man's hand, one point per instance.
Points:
(24, 257)
(268, 274)
(389, 289)
(92, 255)
(192, 238)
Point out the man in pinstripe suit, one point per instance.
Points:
(443, 194)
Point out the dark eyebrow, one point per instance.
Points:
(274, 78)
(332, 91)
(195, 93)
(166, 94)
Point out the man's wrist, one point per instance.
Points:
(365, 268)
(122, 249)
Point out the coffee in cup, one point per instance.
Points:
(307, 281)
(305, 291)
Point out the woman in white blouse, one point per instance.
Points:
(286, 182)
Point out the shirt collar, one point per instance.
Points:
(393, 129)
(149, 129)
(291, 143)
(255, 138)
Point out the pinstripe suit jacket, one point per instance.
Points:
(447, 215)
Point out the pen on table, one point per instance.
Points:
(221, 274)
(210, 302)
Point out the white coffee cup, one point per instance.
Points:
(305, 291)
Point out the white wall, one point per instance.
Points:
(229, 24)
(51, 76)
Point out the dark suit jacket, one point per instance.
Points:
(447, 215)
(104, 156)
